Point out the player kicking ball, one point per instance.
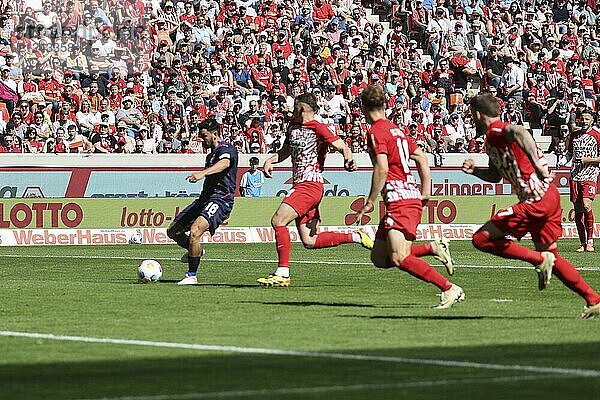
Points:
(391, 150)
(514, 156)
(307, 143)
(215, 203)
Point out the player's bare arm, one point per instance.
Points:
(424, 172)
(380, 172)
(220, 166)
(517, 133)
(489, 174)
(278, 157)
(340, 146)
(590, 160)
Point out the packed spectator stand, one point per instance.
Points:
(134, 76)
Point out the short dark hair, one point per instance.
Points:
(254, 161)
(487, 104)
(309, 99)
(211, 125)
(373, 98)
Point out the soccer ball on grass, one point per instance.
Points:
(149, 271)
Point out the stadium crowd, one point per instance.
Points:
(134, 76)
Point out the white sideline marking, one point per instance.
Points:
(243, 260)
(308, 354)
(325, 389)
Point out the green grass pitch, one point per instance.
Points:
(507, 340)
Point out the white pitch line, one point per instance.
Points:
(328, 389)
(308, 354)
(243, 260)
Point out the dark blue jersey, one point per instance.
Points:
(223, 182)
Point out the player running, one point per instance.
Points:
(391, 149)
(513, 156)
(307, 143)
(584, 144)
(215, 202)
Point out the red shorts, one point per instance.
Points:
(582, 190)
(305, 198)
(404, 215)
(542, 219)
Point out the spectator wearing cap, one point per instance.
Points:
(103, 141)
(437, 29)
(580, 107)
(456, 39)
(130, 115)
(455, 127)
(477, 40)
(125, 142)
(513, 80)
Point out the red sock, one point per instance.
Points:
(425, 272)
(420, 250)
(284, 245)
(588, 221)
(505, 248)
(579, 223)
(566, 272)
(331, 239)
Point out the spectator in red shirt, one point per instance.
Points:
(322, 11)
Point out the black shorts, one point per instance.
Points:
(215, 209)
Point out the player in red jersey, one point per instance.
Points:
(514, 156)
(584, 144)
(391, 149)
(307, 143)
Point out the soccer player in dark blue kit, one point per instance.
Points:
(215, 202)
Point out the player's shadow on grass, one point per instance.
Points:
(315, 303)
(447, 317)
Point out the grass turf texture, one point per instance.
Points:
(336, 307)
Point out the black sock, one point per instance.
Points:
(193, 264)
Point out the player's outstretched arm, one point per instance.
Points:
(424, 172)
(489, 174)
(220, 166)
(380, 171)
(341, 147)
(278, 157)
(517, 133)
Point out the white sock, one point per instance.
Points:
(356, 237)
(283, 271)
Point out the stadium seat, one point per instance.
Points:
(4, 112)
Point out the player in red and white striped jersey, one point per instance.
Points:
(391, 151)
(307, 143)
(584, 144)
(513, 155)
